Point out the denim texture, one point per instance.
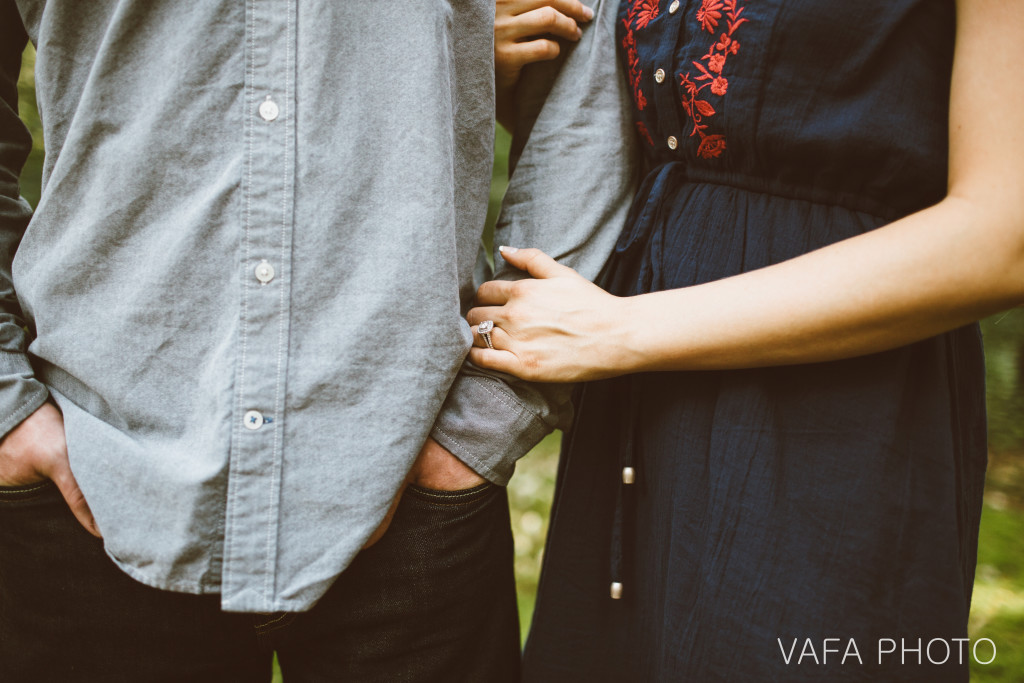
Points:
(434, 600)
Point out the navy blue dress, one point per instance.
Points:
(772, 508)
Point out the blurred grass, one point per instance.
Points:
(998, 606)
(530, 493)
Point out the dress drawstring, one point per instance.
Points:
(634, 239)
(624, 489)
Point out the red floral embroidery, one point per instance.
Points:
(709, 75)
(711, 146)
(727, 44)
(646, 12)
(629, 43)
(644, 133)
(639, 14)
(709, 13)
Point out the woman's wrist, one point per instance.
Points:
(657, 333)
(636, 324)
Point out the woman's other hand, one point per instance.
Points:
(525, 31)
(557, 327)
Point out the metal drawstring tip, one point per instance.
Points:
(616, 591)
(628, 475)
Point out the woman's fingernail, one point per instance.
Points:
(579, 33)
(588, 13)
(508, 250)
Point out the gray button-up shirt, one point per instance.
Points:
(245, 278)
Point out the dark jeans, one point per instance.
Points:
(434, 600)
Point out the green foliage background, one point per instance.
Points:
(998, 606)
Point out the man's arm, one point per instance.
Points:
(32, 431)
(20, 393)
(573, 171)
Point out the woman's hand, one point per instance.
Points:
(558, 327)
(525, 32)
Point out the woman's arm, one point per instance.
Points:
(525, 32)
(932, 271)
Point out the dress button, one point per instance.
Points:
(616, 590)
(672, 142)
(659, 75)
(628, 475)
(673, 7)
(253, 419)
(268, 109)
(264, 271)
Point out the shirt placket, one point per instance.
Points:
(253, 499)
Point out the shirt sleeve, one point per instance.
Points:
(20, 392)
(573, 170)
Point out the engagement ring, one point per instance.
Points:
(485, 329)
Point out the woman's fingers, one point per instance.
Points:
(526, 31)
(572, 8)
(499, 338)
(512, 57)
(494, 359)
(538, 22)
(494, 293)
(535, 262)
(477, 315)
(497, 356)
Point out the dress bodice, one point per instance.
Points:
(835, 102)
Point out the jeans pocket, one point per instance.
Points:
(458, 497)
(25, 493)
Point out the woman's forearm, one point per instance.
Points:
(930, 272)
(927, 273)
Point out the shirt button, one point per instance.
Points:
(268, 109)
(673, 7)
(628, 475)
(659, 75)
(672, 142)
(253, 419)
(264, 271)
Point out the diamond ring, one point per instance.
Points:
(485, 328)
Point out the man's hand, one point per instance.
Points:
(525, 31)
(37, 450)
(435, 468)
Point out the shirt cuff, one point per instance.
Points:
(21, 393)
(489, 427)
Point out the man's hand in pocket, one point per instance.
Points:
(435, 468)
(37, 450)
